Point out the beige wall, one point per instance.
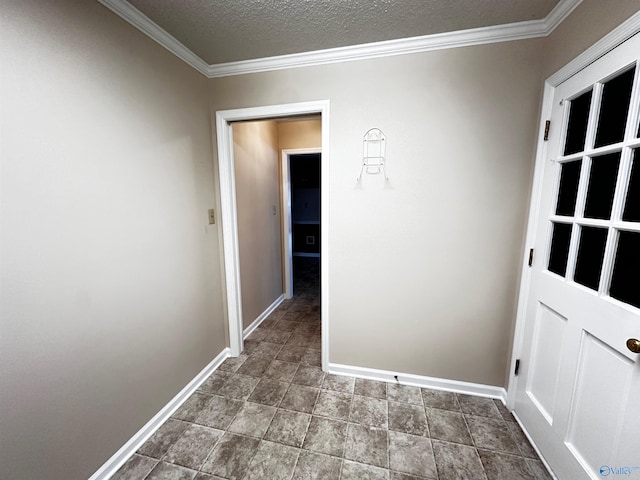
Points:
(110, 296)
(587, 24)
(110, 284)
(257, 176)
(299, 134)
(423, 271)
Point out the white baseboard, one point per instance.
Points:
(112, 465)
(261, 318)
(420, 381)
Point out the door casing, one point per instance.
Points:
(228, 211)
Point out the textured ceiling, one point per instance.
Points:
(220, 31)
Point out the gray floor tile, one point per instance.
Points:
(315, 466)
(299, 338)
(168, 471)
(480, 406)
(457, 462)
(274, 414)
(250, 346)
(252, 420)
(404, 476)
(408, 418)
(367, 445)
(232, 364)
(267, 350)
(369, 411)
(300, 398)
(259, 333)
(193, 447)
(238, 386)
(281, 370)
(288, 427)
(205, 476)
(219, 412)
(504, 411)
(333, 404)
(501, 466)
(192, 407)
(312, 357)
(216, 380)
(308, 375)
(269, 392)
(411, 454)
(286, 323)
(448, 425)
(359, 471)
(255, 365)
(339, 383)
(538, 469)
(491, 434)
(277, 337)
(231, 456)
(326, 435)
(371, 388)
(137, 467)
(404, 393)
(439, 399)
(272, 461)
(521, 440)
(292, 353)
(163, 438)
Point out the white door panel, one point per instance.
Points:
(579, 391)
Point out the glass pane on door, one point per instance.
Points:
(568, 190)
(577, 127)
(625, 282)
(590, 256)
(560, 240)
(602, 186)
(616, 95)
(631, 211)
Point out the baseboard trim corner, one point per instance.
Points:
(444, 384)
(118, 459)
(262, 317)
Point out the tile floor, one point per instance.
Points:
(272, 414)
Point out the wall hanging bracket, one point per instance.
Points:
(373, 153)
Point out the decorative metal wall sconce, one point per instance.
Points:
(374, 145)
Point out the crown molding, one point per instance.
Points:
(561, 11)
(139, 20)
(403, 46)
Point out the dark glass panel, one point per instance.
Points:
(577, 127)
(602, 186)
(631, 211)
(559, 253)
(590, 256)
(568, 191)
(616, 95)
(625, 283)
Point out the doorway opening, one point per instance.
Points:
(301, 219)
(229, 215)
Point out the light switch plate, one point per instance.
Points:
(212, 216)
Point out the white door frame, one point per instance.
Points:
(619, 35)
(228, 213)
(287, 222)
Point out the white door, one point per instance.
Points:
(578, 393)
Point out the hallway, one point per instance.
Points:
(272, 413)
